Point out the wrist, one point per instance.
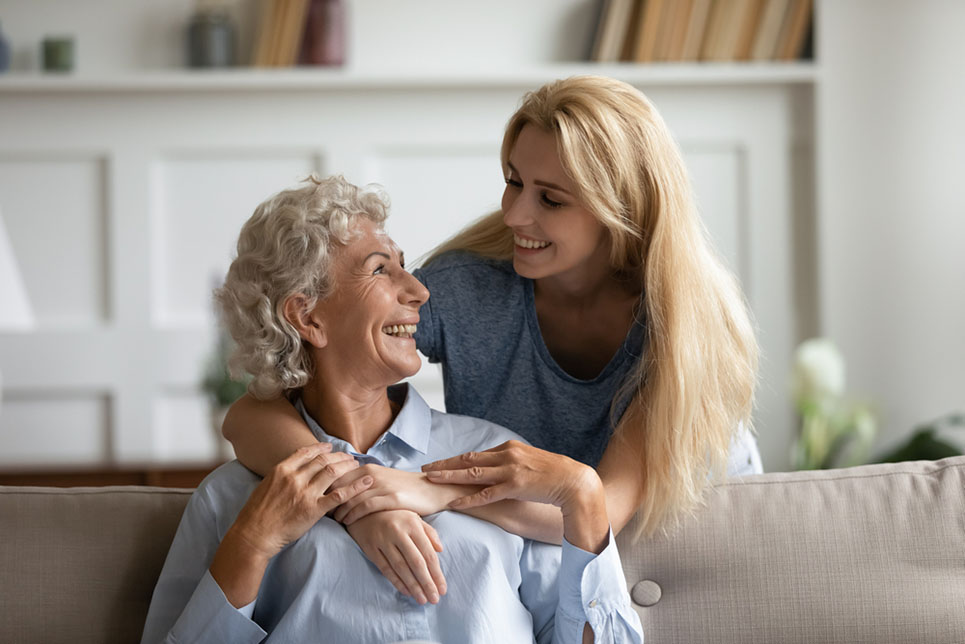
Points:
(585, 521)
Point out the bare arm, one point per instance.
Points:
(258, 450)
(261, 451)
(621, 473)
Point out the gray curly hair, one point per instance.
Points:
(286, 248)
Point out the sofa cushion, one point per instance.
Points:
(867, 554)
(79, 564)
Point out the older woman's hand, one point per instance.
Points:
(295, 496)
(403, 547)
(515, 470)
(289, 501)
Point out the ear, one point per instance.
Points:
(307, 321)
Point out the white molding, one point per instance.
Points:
(255, 80)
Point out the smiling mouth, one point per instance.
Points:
(400, 330)
(530, 243)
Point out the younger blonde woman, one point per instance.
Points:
(590, 315)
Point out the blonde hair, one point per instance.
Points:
(286, 248)
(694, 387)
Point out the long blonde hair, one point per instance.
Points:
(694, 386)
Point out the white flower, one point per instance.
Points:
(818, 371)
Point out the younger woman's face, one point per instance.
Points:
(555, 236)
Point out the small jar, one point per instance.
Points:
(4, 52)
(211, 39)
(324, 42)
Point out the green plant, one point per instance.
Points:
(835, 431)
(925, 444)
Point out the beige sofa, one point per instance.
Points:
(871, 554)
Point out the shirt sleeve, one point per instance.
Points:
(744, 458)
(428, 337)
(188, 605)
(590, 589)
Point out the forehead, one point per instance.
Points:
(368, 237)
(535, 151)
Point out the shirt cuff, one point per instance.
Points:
(591, 583)
(210, 617)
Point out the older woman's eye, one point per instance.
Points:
(379, 270)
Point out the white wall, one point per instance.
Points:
(891, 234)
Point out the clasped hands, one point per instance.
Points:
(382, 508)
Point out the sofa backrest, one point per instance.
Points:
(868, 554)
(79, 564)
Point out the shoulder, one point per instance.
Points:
(467, 433)
(464, 267)
(226, 487)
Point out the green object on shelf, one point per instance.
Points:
(58, 54)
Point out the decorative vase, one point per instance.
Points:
(211, 39)
(4, 52)
(324, 41)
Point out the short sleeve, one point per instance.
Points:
(428, 337)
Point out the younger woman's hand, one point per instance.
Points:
(403, 547)
(515, 470)
(394, 490)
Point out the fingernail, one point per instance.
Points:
(457, 503)
(433, 474)
(434, 598)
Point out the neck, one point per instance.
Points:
(354, 414)
(584, 290)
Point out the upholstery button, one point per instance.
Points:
(646, 593)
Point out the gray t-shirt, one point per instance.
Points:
(480, 323)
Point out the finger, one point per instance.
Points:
(484, 496)
(429, 545)
(323, 477)
(320, 460)
(305, 454)
(383, 565)
(416, 557)
(328, 502)
(349, 504)
(371, 503)
(475, 475)
(354, 475)
(433, 537)
(469, 459)
(401, 567)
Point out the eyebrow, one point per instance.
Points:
(539, 182)
(378, 252)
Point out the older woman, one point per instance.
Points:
(323, 312)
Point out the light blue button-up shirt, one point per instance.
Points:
(501, 588)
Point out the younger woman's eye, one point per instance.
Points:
(549, 202)
(513, 182)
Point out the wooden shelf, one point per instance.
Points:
(188, 475)
(308, 79)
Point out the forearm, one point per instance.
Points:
(265, 433)
(238, 568)
(536, 521)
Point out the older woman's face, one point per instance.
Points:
(373, 313)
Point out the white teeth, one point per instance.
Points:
(400, 330)
(529, 243)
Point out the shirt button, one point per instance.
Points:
(646, 593)
(593, 604)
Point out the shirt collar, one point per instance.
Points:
(412, 425)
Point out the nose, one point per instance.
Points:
(517, 212)
(413, 293)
